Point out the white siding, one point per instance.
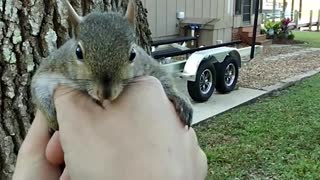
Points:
(152, 15)
(206, 6)
(171, 13)
(163, 22)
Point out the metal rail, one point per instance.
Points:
(172, 40)
(306, 24)
(170, 53)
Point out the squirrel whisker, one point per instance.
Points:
(77, 80)
(68, 92)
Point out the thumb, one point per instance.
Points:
(31, 161)
(73, 104)
(37, 137)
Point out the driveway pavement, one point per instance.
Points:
(219, 103)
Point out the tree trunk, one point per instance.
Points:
(30, 30)
(292, 8)
(284, 7)
(300, 9)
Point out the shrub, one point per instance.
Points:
(285, 28)
(272, 28)
(291, 36)
(279, 30)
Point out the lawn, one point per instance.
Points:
(275, 138)
(312, 38)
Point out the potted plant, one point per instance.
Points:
(272, 29)
(285, 27)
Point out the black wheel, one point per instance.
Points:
(227, 75)
(202, 89)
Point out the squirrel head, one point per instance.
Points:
(104, 51)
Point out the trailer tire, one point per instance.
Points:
(227, 75)
(202, 89)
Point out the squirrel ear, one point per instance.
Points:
(130, 14)
(74, 17)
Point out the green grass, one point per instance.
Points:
(312, 38)
(277, 137)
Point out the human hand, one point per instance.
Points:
(32, 163)
(138, 136)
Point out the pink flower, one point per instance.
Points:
(286, 21)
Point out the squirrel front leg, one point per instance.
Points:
(42, 90)
(181, 103)
(146, 65)
(45, 104)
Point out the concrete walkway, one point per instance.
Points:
(219, 103)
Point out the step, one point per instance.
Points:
(250, 34)
(265, 42)
(246, 29)
(249, 29)
(259, 37)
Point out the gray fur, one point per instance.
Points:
(106, 40)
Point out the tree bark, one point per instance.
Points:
(292, 8)
(284, 7)
(30, 30)
(300, 9)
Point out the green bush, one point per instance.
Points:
(280, 29)
(281, 35)
(272, 26)
(263, 31)
(291, 36)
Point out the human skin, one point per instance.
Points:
(138, 136)
(32, 163)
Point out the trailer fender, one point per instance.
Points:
(236, 55)
(193, 63)
(214, 55)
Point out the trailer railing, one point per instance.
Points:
(172, 52)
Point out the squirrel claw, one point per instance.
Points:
(184, 109)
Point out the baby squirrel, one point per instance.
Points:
(100, 60)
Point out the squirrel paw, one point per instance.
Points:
(51, 117)
(184, 109)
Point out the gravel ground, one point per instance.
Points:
(275, 50)
(275, 64)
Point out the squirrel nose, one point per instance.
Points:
(106, 92)
(105, 88)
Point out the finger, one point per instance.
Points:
(65, 175)
(37, 137)
(146, 85)
(70, 105)
(54, 152)
(65, 98)
(31, 161)
(147, 81)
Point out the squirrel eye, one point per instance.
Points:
(132, 55)
(79, 53)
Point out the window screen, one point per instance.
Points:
(238, 9)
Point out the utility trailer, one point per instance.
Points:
(207, 68)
